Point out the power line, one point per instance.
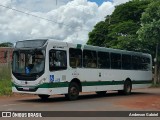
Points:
(56, 3)
(27, 13)
(20, 11)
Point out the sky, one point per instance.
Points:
(99, 2)
(65, 20)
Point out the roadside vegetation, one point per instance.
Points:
(5, 80)
(155, 86)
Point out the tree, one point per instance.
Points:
(149, 33)
(127, 42)
(125, 21)
(120, 28)
(99, 34)
(6, 44)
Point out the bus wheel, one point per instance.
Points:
(44, 97)
(101, 93)
(73, 91)
(120, 92)
(127, 88)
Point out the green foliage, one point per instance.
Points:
(5, 87)
(149, 33)
(119, 29)
(155, 85)
(129, 11)
(99, 35)
(122, 29)
(5, 80)
(6, 44)
(126, 43)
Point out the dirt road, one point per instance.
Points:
(139, 100)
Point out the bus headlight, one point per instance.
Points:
(42, 81)
(12, 78)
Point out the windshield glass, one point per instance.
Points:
(28, 61)
(30, 43)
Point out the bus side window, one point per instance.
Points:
(103, 60)
(126, 62)
(75, 57)
(136, 62)
(57, 60)
(89, 59)
(145, 63)
(115, 61)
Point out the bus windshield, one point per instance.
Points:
(28, 61)
(30, 43)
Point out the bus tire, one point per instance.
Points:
(101, 93)
(73, 91)
(44, 97)
(127, 88)
(120, 92)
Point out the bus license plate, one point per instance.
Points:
(25, 88)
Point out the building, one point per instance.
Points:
(6, 54)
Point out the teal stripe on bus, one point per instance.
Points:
(95, 83)
(91, 83)
(46, 85)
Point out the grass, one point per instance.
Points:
(5, 80)
(156, 86)
(5, 87)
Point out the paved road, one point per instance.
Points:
(87, 102)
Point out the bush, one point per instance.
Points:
(5, 80)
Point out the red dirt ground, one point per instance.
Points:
(151, 102)
(141, 102)
(16, 95)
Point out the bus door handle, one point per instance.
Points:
(99, 74)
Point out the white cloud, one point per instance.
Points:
(38, 5)
(118, 2)
(70, 22)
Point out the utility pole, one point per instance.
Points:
(156, 66)
(56, 2)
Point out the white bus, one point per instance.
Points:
(46, 67)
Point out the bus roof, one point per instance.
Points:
(97, 48)
(89, 47)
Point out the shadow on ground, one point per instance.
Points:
(61, 98)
